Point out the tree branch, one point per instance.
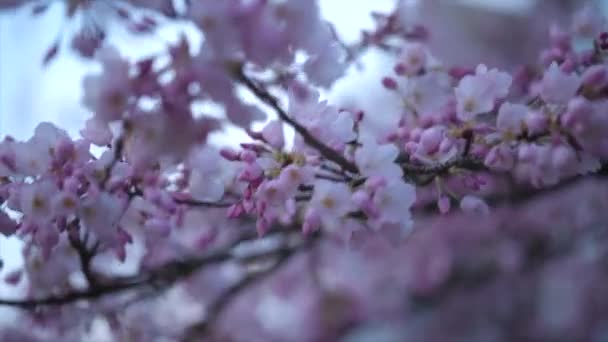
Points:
(272, 101)
(85, 255)
(196, 203)
(160, 277)
(467, 163)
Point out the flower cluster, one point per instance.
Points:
(300, 185)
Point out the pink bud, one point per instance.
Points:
(389, 83)
(248, 206)
(121, 253)
(256, 148)
(410, 147)
(430, 139)
(205, 240)
(124, 237)
(559, 37)
(262, 226)
(51, 53)
(359, 197)
(235, 210)
(230, 154)
(13, 278)
(248, 156)
(500, 157)
(251, 172)
(596, 76)
(392, 137)
(400, 69)
(312, 221)
(415, 134)
(460, 72)
(375, 182)
(444, 204)
(569, 65)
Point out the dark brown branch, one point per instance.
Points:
(161, 277)
(118, 148)
(424, 175)
(70, 297)
(272, 101)
(85, 255)
(467, 163)
(196, 203)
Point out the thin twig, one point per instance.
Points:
(272, 101)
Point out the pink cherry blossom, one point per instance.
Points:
(331, 202)
(393, 202)
(108, 94)
(558, 86)
(413, 59)
(274, 135)
(36, 201)
(588, 21)
(101, 214)
(500, 157)
(210, 174)
(476, 94)
(511, 118)
(293, 176)
(433, 146)
(428, 94)
(97, 132)
(378, 160)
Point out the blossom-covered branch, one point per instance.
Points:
(519, 150)
(161, 277)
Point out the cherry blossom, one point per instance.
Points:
(558, 86)
(108, 94)
(477, 93)
(330, 202)
(378, 160)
